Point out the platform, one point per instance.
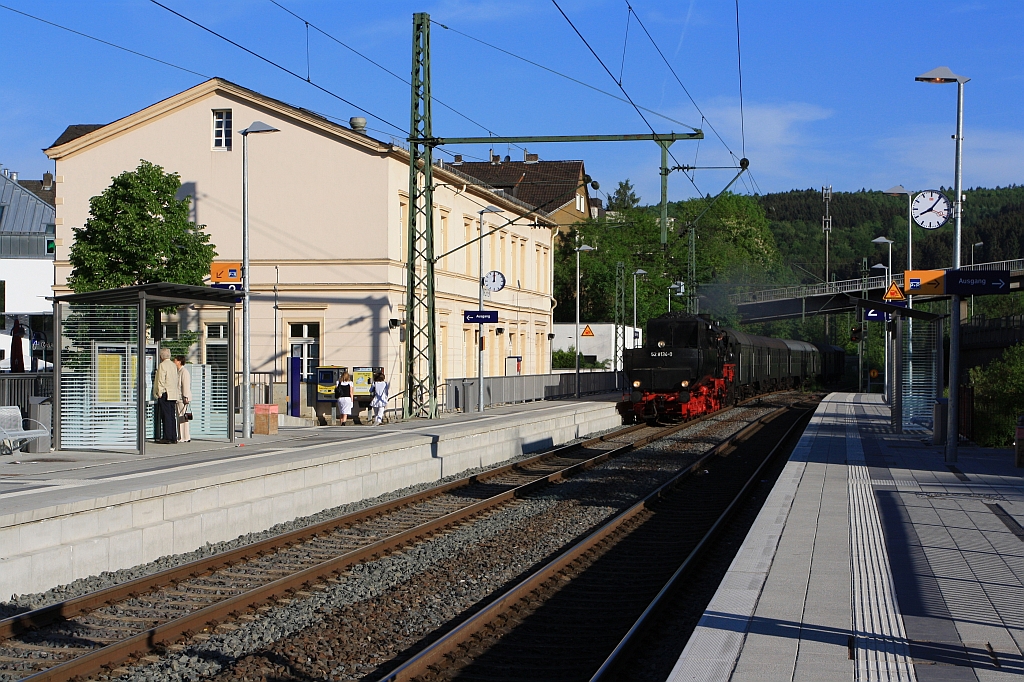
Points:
(873, 560)
(66, 515)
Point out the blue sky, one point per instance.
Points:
(829, 91)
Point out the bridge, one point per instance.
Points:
(790, 302)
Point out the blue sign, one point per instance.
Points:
(871, 315)
(480, 316)
(979, 282)
(229, 287)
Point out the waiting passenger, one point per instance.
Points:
(343, 393)
(379, 402)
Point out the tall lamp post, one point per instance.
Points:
(974, 246)
(943, 75)
(638, 272)
(582, 247)
(255, 127)
(480, 325)
(885, 336)
(897, 191)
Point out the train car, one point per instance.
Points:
(690, 366)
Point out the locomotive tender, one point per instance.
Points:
(690, 366)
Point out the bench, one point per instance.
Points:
(12, 434)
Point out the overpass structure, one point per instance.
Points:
(791, 302)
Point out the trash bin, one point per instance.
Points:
(40, 409)
(1018, 444)
(940, 414)
(469, 400)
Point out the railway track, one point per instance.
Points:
(576, 617)
(99, 631)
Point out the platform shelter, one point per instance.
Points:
(101, 389)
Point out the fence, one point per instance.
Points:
(16, 389)
(460, 394)
(262, 384)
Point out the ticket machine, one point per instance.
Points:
(327, 377)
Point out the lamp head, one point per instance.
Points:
(896, 191)
(584, 247)
(881, 240)
(879, 265)
(640, 272)
(941, 74)
(979, 244)
(259, 127)
(490, 209)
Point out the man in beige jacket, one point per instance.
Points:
(166, 390)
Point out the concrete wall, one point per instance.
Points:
(601, 344)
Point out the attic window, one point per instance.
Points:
(222, 129)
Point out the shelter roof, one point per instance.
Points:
(158, 292)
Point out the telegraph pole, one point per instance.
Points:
(826, 227)
(620, 317)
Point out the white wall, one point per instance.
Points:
(601, 344)
(28, 283)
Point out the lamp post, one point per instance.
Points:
(888, 271)
(680, 287)
(943, 75)
(974, 246)
(638, 272)
(582, 247)
(255, 127)
(897, 191)
(885, 335)
(480, 292)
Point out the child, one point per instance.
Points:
(379, 391)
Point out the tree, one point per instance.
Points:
(623, 198)
(139, 233)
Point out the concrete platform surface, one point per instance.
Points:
(67, 515)
(873, 560)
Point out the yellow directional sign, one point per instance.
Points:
(924, 282)
(893, 293)
(225, 272)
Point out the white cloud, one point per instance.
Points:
(926, 157)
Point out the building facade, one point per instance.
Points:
(328, 211)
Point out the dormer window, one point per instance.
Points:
(222, 129)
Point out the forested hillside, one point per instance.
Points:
(768, 240)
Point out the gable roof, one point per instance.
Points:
(548, 185)
(79, 137)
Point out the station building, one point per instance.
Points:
(328, 211)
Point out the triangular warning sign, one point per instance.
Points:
(587, 331)
(893, 293)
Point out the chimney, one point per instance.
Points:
(47, 180)
(458, 160)
(14, 176)
(530, 158)
(357, 124)
(495, 158)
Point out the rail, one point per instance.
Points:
(848, 286)
(461, 394)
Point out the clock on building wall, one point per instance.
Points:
(931, 209)
(494, 281)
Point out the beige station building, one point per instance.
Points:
(328, 208)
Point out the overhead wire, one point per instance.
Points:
(279, 66)
(105, 42)
(380, 66)
(559, 74)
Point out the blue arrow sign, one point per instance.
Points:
(480, 316)
(977, 282)
(229, 287)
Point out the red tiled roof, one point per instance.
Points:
(546, 185)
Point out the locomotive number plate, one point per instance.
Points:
(661, 353)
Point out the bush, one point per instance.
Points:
(999, 398)
(566, 359)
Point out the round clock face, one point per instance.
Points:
(494, 280)
(931, 209)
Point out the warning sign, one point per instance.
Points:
(893, 293)
(587, 331)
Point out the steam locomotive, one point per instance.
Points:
(689, 366)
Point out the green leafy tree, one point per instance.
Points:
(998, 397)
(623, 198)
(139, 233)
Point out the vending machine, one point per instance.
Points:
(327, 377)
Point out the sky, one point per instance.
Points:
(829, 96)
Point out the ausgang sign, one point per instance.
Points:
(977, 282)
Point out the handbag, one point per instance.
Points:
(188, 414)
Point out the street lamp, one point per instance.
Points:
(974, 246)
(883, 240)
(255, 127)
(681, 286)
(582, 247)
(480, 325)
(638, 272)
(943, 75)
(897, 191)
(885, 333)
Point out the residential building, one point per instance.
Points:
(557, 187)
(328, 208)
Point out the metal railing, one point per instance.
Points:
(16, 389)
(461, 394)
(262, 388)
(848, 286)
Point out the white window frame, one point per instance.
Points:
(218, 129)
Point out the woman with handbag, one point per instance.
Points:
(182, 408)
